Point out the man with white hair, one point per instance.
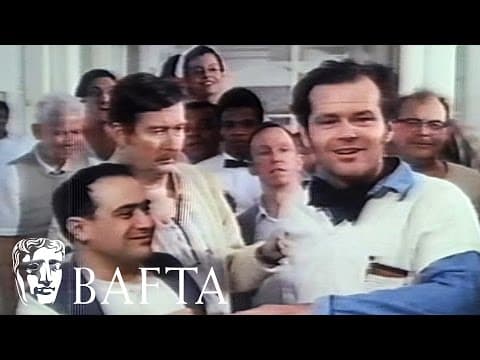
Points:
(27, 183)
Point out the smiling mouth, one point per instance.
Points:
(422, 144)
(142, 238)
(349, 151)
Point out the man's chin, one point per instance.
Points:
(165, 168)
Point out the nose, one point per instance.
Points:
(143, 220)
(347, 131)
(174, 140)
(277, 156)
(45, 274)
(105, 98)
(424, 129)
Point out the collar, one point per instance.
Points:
(48, 169)
(401, 180)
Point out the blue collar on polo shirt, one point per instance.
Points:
(401, 180)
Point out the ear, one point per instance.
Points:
(304, 137)
(79, 228)
(37, 131)
(119, 133)
(388, 133)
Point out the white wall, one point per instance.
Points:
(11, 83)
(428, 66)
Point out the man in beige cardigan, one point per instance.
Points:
(193, 220)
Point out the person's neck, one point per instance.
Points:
(211, 98)
(49, 159)
(104, 267)
(276, 200)
(430, 167)
(385, 167)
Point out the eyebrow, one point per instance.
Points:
(154, 127)
(366, 112)
(359, 113)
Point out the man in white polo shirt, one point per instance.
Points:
(378, 238)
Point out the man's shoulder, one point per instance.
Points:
(457, 170)
(431, 190)
(26, 159)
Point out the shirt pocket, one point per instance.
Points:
(380, 276)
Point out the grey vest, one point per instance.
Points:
(36, 189)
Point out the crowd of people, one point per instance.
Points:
(371, 208)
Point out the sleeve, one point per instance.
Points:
(449, 286)
(9, 201)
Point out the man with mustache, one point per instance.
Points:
(194, 221)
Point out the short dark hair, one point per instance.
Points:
(87, 79)
(169, 66)
(72, 197)
(198, 51)
(139, 93)
(5, 108)
(270, 125)
(338, 72)
(240, 97)
(420, 96)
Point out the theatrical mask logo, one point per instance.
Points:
(37, 268)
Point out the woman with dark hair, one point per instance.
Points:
(203, 71)
(169, 67)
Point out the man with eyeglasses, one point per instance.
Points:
(420, 132)
(240, 112)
